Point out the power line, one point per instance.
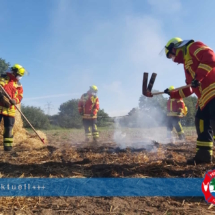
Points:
(48, 107)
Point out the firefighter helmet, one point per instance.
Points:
(171, 44)
(94, 88)
(18, 69)
(171, 88)
(175, 43)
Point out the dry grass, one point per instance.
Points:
(67, 155)
(21, 137)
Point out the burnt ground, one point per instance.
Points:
(65, 156)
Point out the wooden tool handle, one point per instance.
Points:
(179, 88)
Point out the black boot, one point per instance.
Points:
(7, 148)
(202, 156)
(87, 139)
(95, 139)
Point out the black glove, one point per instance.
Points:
(13, 101)
(92, 115)
(195, 83)
(167, 91)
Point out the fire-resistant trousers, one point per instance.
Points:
(90, 127)
(8, 131)
(205, 128)
(174, 122)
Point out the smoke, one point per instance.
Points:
(142, 128)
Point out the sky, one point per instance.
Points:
(68, 45)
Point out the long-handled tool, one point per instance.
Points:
(111, 117)
(147, 88)
(179, 88)
(22, 115)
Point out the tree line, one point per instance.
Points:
(150, 112)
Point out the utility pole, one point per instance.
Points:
(48, 107)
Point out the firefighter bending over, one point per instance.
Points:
(199, 67)
(176, 109)
(88, 107)
(10, 82)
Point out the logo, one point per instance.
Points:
(208, 187)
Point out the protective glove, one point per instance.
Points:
(195, 83)
(13, 101)
(167, 91)
(92, 115)
(5, 101)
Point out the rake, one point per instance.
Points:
(147, 88)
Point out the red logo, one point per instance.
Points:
(208, 187)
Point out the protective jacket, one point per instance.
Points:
(88, 106)
(14, 90)
(176, 107)
(199, 64)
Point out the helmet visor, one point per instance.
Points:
(168, 50)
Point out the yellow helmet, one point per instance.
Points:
(18, 69)
(171, 88)
(171, 44)
(94, 88)
(176, 43)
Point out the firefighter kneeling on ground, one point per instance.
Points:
(88, 107)
(10, 82)
(176, 109)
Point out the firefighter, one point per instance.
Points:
(176, 110)
(199, 65)
(88, 107)
(10, 81)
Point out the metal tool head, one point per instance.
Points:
(147, 88)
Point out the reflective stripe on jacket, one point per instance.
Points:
(14, 90)
(175, 107)
(199, 64)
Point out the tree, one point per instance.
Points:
(103, 118)
(36, 117)
(69, 116)
(3, 65)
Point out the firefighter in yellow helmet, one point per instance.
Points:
(198, 60)
(176, 110)
(10, 81)
(88, 107)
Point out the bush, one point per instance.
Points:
(36, 117)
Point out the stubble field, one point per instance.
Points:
(125, 153)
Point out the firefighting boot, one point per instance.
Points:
(202, 156)
(7, 148)
(95, 140)
(87, 139)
